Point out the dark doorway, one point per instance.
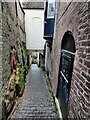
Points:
(65, 71)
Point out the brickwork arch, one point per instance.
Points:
(69, 42)
(65, 71)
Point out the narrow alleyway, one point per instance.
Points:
(36, 102)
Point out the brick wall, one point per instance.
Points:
(80, 87)
(75, 17)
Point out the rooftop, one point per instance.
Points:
(33, 5)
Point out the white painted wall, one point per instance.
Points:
(34, 26)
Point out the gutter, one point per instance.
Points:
(58, 108)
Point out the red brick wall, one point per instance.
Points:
(75, 17)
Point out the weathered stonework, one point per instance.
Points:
(12, 29)
(33, 5)
(0, 63)
(74, 17)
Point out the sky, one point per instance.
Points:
(21, 0)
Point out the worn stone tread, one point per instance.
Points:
(36, 102)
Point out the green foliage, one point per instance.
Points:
(34, 55)
(21, 83)
(17, 84)
(34, 58)
(21, 71)
(26, 68)
(8, 105)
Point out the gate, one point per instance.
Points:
(65, 72)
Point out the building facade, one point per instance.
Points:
(69, 59)
(34, 27)
(34, 18)
(12, 34)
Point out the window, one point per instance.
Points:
(51, 9)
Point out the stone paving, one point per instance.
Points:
(36, 102)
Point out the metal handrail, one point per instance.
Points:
(68, 52)
(64, 77)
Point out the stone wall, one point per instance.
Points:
(33, 5)
(21, 21)
(9, 35)
(0, 62)
(8, 38)
(74, 17)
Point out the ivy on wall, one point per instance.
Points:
(16, 84)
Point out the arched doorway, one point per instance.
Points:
(65, 71)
